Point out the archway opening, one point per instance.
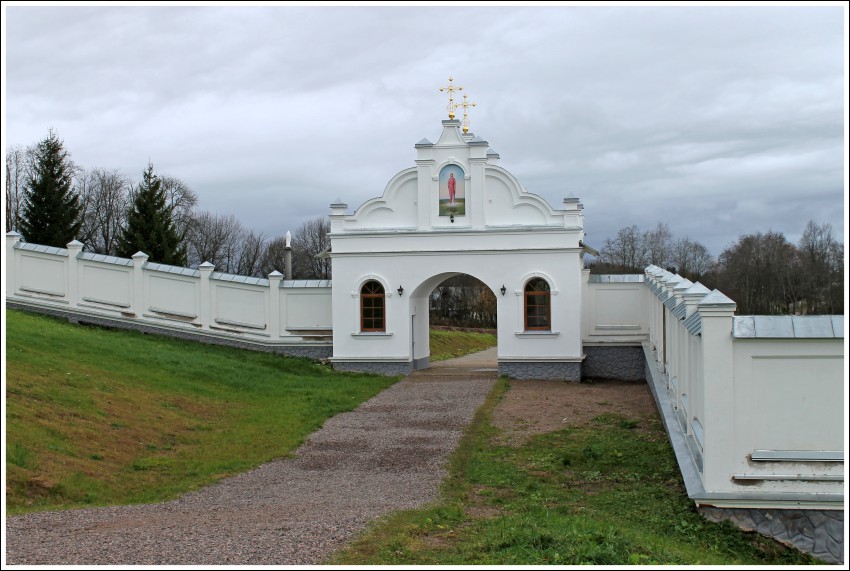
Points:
(458, 314)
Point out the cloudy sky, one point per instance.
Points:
(719, 121)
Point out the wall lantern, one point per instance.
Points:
(504, 289)
(452, 218)
(400, 291)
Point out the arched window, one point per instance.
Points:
(538, 310)
(372, 299)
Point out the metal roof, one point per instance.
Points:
(172, 269)
(716, 298)
(103, 258)
(693, 323)
(671, 302)
(250, 280)
(681, 310)
(41, 249)
(697, 288)
(788, 327)
(615, 278)
(305, 283)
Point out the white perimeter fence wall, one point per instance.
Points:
(759, 399)
(288, 316)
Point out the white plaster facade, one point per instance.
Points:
(506, 237)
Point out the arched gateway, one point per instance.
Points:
(457, 212)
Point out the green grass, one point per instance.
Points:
(608, 493)
(451, 344)
(100, 417)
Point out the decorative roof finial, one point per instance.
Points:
(452, 106)
(466, 105)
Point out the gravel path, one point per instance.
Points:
(386, 455)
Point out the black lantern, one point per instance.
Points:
(504, 289)
(400, 291)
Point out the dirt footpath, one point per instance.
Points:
(536, 407)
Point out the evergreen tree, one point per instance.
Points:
(52, 211)
(150, 228)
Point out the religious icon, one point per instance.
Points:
(452, 191)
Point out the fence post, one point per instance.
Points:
(206, 270)
(12, 238)
(716, 319)
(274, 304)
(74, 249)
(139, 261)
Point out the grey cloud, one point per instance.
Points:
(647, 113)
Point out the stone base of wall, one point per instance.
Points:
(315, 352)
(389, 368)
(423, 363)
(617, 363)
(819, 532)
(538, 370)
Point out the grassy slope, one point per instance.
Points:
(450, 344)
(604, 494)
(96, 417)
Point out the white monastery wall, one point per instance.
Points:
(615, 310)
(271, 314)
(758, 400)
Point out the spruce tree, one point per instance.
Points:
(150, 228)
(52, 212)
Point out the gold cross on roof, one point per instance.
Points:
(452, 106)
(466, 105)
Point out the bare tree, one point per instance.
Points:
(182, 201)
(18, 162)
(225, 243)
(658, 244)
(215, 239)
(758, 272)
(252, 249)
(821, 264)
(627, 252)
(105, 198)
(274, 256)
(691, 259)
(308, 241)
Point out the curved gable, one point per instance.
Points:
(396, 208)
(507, 203)
(456, 186)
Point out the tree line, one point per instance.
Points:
(763, 273)
(50, 200)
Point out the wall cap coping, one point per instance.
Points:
(717, 299)
(306, 283)
(697, 289)
(104, 259)
(233, 278)
(615, 278)
(165, 268)
(788, 327)
(41, 249)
